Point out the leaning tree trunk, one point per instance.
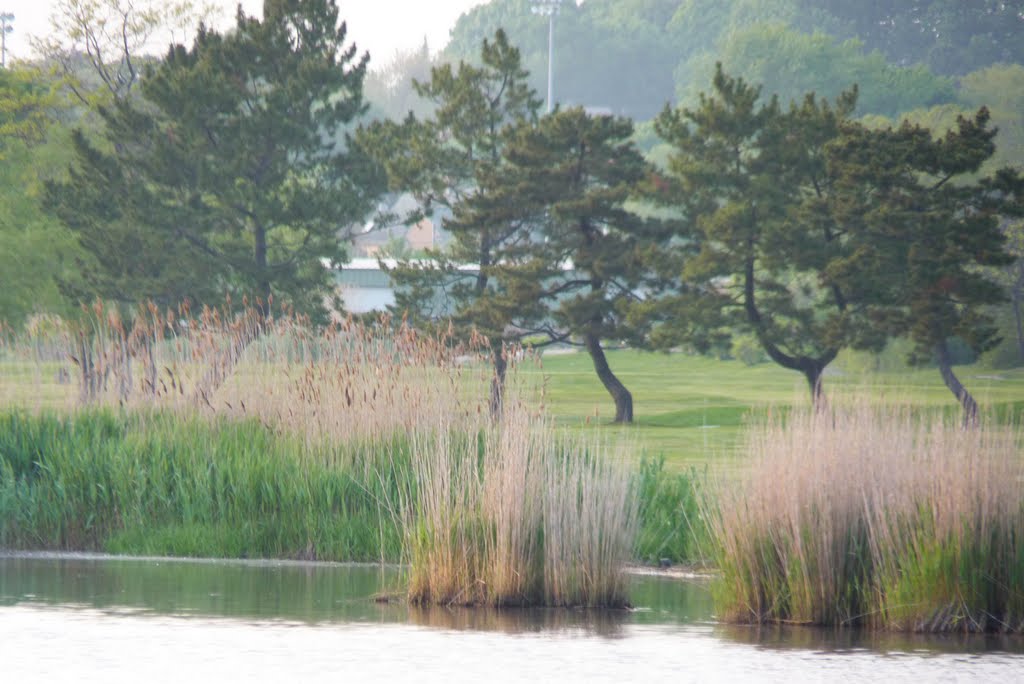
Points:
(970, 406)
(811, 367)
(814, 371)
(623, 399)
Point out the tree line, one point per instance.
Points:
(628, 55)
(238, 165)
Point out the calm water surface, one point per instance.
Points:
(101, 619)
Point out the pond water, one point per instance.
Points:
(81, 618)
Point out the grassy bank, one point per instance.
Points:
(861, 516)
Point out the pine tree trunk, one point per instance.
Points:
(623, 399)
(1020, 328)
(970, 406)
(812, 368)
(500, 364)
(262, 303)
(813, 373)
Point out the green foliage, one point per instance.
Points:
(633, 56)
(997, 88)
(789, 63)
(36, 249)
(927, 227)
(747, 349)
(949, 36)
(26, 101)
(671, 524)
(445, 161)
(161, 484)
(828, 234)
(229, 177)
(568, 180)
(33, 149)
(757, 247)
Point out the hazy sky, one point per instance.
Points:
(380, 26)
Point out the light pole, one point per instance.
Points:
(5, 27)
(549, 8)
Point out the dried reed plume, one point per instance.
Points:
(345, 380)
(865, 516)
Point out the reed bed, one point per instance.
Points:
(880, 518)
(518, 516)
(249, 434)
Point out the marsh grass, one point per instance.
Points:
(518, 516)
(876, 517)
(164, 484)
(672, 525)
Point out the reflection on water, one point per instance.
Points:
(310, 593)
(787, 637)
(603, 623)
(306, 592)
(277, 621)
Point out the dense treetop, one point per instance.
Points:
(633, 56)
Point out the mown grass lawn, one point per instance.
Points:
(692, 409)
(689, 409)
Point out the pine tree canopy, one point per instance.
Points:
(231, 174)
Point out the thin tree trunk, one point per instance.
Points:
(500, 364)
(1020, 328)
(262, 303)
(623, 399)
(970, 406)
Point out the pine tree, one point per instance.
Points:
(231, 174)
(927, 227)
(445, 162)
(583, 269)
(758, 233)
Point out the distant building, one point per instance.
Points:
(364, 286)
(373, 240)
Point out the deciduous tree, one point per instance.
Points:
(99, 45)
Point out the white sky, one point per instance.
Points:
(380, 26)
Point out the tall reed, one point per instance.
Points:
(516, 515)
(883, 518)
